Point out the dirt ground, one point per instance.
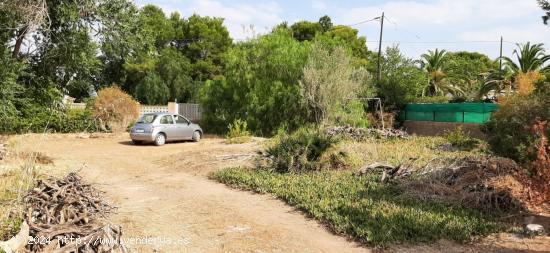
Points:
(167, 204)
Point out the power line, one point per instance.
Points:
(354, 24)
(442, 42)
(363, 22)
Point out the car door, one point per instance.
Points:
(168, 127)
(184, 127)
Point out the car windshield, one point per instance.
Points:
(147, 118)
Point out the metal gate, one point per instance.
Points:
(191, 111)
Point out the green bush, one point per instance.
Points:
(460, 139)
(353, 114)
(299, 151)
(37, 119)
(259, 84)
(238, 132)
(509, 128)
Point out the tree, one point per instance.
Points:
(122, 40)
(10, 90)
(156, 25)
(545, 5)
(259, 85)
(174, 69)
(402, 81)
(526, 72)
(350, 36)
(206, 39)
(305, 30)
(329, 82)
(152, 90)
(494, 82)
(326, 23)
(27, 16)
(433, 63)
(467, 70)
(530, 57)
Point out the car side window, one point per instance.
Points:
(181, 120)
(166, 119)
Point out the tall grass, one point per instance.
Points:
(17, 177)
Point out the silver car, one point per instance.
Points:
(162, 127)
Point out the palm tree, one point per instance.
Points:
(433, 63)
(529, 58)
(494, 82)
(530, 61)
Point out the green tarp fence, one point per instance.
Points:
(461, 113)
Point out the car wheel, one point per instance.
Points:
(196, 136)
(135, 142)
(160, 139)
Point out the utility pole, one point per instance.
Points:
(500, 58)
(379, 76)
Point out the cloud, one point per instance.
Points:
(445, 12)
(319, 5)
(463, 21)
(520, 34)
(242, 20)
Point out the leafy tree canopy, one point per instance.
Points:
(402, 79)
(545, 5)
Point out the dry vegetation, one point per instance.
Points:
(72, 215)
(17, 176)
(115, 109)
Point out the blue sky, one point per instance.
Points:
(416, 25)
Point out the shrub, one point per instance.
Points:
(509, 129)
(338, 157)
(299, 151)
(432, 100)
(329, 81)
(38, 119)
(352, 114)
(115, 109)
(238, 133)
(460, 139)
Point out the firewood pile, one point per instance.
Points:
(360, 134)
(69, 215)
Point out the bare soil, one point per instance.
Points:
(167, 203)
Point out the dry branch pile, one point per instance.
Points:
(360, 134)
(68, 215)
(487, 183)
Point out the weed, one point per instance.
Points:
(460, 139)
(238, 133)
(299, 151)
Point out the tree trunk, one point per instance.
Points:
(19, 42)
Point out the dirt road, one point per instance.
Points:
(167, 204)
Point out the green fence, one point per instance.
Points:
(462, 113)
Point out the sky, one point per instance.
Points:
(414, 25)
